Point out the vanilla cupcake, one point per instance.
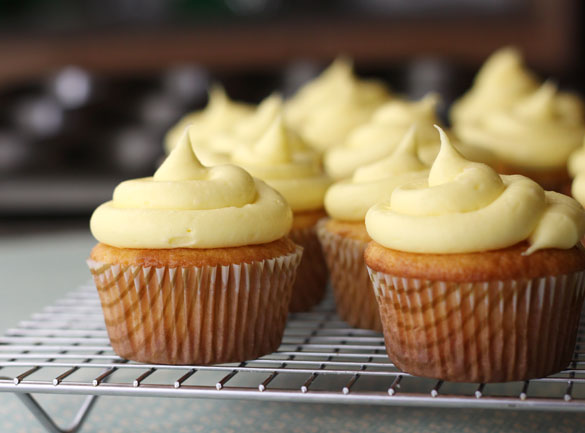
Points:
(212, 127)
(533, 136)
(344, 237)
(193, 265)
(281, 160)
(326, 109)
(478, 276)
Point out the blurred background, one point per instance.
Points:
(89, 87)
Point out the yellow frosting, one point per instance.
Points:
(532, 133)
(349, 200)
(326, 109)
(501, 81)
(381, 135)
(211, 127)
(188, 205)
(576, 163)
(281, 159)
(467, 207)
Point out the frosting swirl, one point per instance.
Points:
(501, 81)
(211, 128)
(326, 109)
(381, 135)
(349, 200)
(282, 160)
(467, 207)
(188, 205)
(543, 136)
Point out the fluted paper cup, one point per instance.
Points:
(196, 315)
(311, 282)
(354, 297)
(495, 331)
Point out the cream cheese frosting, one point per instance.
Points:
(211, 128)
(532, 133)
(576, 169)
(326, 109)
(466, 207)
(349, 200)
(281, 159)
(188, 205)
(380, 136)
(501, 81)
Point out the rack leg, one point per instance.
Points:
(45, 419)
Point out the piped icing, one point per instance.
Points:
(380, 136)
(576, 169)
(466, 207)
(532, 133)
(212, 127)
(188, 205)
(326, 109)
(501, 81)
(284, 162)
(349, 200)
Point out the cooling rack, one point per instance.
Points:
(65, 350)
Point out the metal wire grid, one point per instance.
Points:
(65, 349)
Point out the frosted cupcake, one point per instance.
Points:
(344, 237)
(193, 265)
(281, 160)
(212, 127)
(478, 276)
(326, 109)
(533, 137)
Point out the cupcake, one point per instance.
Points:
(281, 159)
(344, 237)
(193, 265)
(479, 277)
(212, 127)
(533, 137)
(315, 111)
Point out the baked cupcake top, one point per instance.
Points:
(188, 205)
(326, 109)
(349, 200)
(380, 136)
(282, 160)
(219, 117)
(467, 207)
(534, 132)
(500, 82)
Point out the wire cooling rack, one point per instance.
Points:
(65, 350)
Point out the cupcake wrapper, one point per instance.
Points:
(196, 315)
(354, 297)
(311, 282)
(495, 331)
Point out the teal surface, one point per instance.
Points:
(39, 268)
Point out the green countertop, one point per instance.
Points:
(39, 267)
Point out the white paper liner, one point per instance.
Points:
(493, 331)
(354, 296)
(311, 282)
(196, 315)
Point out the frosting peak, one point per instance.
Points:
(188, 205)
(273, 147)
(467, 207)
(282, 160)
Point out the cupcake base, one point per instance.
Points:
(199, 314)
(311, 282)
(344, 244)
(492, 330)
